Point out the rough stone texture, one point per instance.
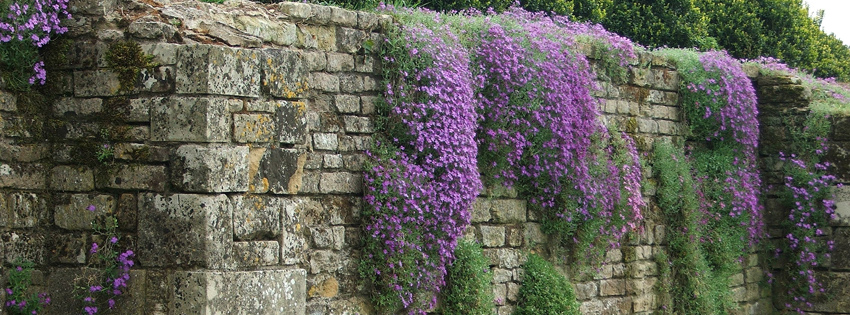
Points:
(255, 218)
(240, 292)
(253, 128)
(211, 168)
(71, 178)
(282, 169)
(185, 230)
(23, 210)
(207, 69)
(133, 177)
(71, 212)
(191, 119)
(291, 120)
(284, 73)
(256, 253)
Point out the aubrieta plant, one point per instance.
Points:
(19, 299)
(25, 26)
(99, 289)
(512, 84)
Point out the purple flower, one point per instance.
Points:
(93, 249)
(91, 208)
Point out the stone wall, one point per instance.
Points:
(785, 101)
(238, 158)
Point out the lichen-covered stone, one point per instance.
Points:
(284, 73)
(271, 31)
(70, 107)
(282, 169)
(508, 210)
(262, 292)
(191, 119)
(71, 178)
(71, 212)
(96, 83)
(207, 69)
(25, 246)
(356, 124)
(291, 121)
(253, 128)
(23, 210)
(256, 253)
(133, 177)
(211, 168)
(22, 176)
(185, 230)
(492, 236)
(341, 182)
(255, 218)
(324, 82)
(325, 141)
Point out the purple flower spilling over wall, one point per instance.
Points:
(419, 196)
(33, 21)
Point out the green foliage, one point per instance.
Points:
(467, 290)
(16, 63)
(699, 269)
(127, 60)
(674, 23)
(544, 291)
(19, 298)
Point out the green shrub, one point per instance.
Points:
(545, 291)
(467, 290)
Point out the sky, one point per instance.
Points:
(836, 17)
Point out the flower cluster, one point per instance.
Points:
(423, 180)
(31, 22)
(100, 290)
(540, 132)
(17, 300)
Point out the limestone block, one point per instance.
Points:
(185, 230)
(148, 28)
(514, 236)
(277, 32)
(23, 246)
(349, 40)
(325, 237)
(67, 248)
(612, 287)
(23, 210)
(96, 83)
(291, 121)
(324, 261)
(22, 176)
(508, 210)
(365, 64)
(367, 106)
(271, 292)
(163, 53)
(325, 141)
(500, 294)
(71, 178)
(208, 69)
(665, 79)
(841, 254)
(256, 253)
(340, 62)
(217, 168)
(71, 212)
(70, 106)
(343, 17)
(533, 234)
(586, 290)
(282, 170)
(505, 257)
(842, 206)
(324, 82)
(253, 128)
(284, 73)
(334, 210)
(315, 60)
(355, 143)
(356, 124)
(191, 119)
(133, 177)
(293, 245)
(296, 10)
(501, 275)
(341, 183)
(8, 102)
(351, 83)
(492, 236)
(256, 218)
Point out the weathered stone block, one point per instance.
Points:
(612, 287)
(282, 169)
(240, 292)
(341, 183)
(253, 128)
(356, 124)
(22, 210)
(492, 236)
(191, 119)
(324, 261)
(340, 62)
(586, 290)
(333, 161)
(350, 40)
(71, 178)
(316, 36)
(71, 212)
(277, 32)
(841, 254)
(355, 143)
(315, 60)
(69, 106)
(258, 253)
(508, 210)
(208, 69)
(211, 168)
(22, 176)
(284, 73)
(22, 152)
(328, 237)
(8, 102)
(60, 288)
(185, 230)
(23, 246)
(324, 82)
(133, 177)
(291, 121)
(347, 104)
(296, 10)
(325, 141)
(351, 83)
(96, 83)
(505, 257)
(256, 218)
